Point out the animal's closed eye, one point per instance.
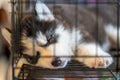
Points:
(42, 45)
(52, 39)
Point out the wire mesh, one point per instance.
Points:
(74, 69)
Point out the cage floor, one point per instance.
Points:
(73, 70)
(29, 72)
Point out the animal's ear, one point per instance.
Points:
(43, 11)
(6, 34)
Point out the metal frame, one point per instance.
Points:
(27, 70)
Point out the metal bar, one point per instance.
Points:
(117, 64)
(68, 2)
(72, 67)
(113, 74)
(12, 42)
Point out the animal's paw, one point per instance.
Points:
(98, 62)
(94, 58)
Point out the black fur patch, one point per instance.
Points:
(31, 25)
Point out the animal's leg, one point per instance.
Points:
(92, 55)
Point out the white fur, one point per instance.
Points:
(90, 51)
(112, 32)
(60, 49)
(65, 46)
(76, 38)
(41, 8)
(41, 38)
(106, 44)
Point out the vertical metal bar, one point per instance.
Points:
(18, 25)
(53, 3)
(12, 42)
(18, 29)
(33, 42)
(76, 24)
(117, 63)
(97, 25)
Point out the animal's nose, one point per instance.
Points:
(56, 62)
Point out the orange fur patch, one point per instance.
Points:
(3, 16)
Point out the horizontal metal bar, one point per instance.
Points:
(67, 2)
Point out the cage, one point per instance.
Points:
(74, 70)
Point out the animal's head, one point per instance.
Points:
(44, 35)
